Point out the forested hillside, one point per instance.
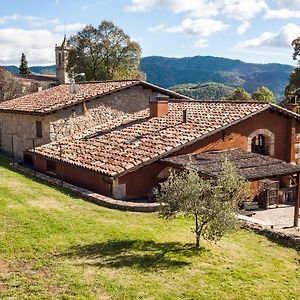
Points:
(169, 72)
(208, 91)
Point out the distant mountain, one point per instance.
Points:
(208, 91)
(49, 70)
(168, 72)
(202, 69)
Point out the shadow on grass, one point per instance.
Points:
(145, 255)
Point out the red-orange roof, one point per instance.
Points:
(58, 97)
(125, 144)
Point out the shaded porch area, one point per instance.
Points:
(272, 180)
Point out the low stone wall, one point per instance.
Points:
(280, 237)
(91, 196)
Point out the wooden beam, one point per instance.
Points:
(297, 202)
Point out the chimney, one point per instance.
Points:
(160, 106)
(292, 104)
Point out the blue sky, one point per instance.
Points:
(251, 30)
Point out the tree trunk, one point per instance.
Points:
(197, 233)
(197, 240)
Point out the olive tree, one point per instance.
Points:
(213, 203)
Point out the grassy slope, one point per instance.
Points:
(55, 246)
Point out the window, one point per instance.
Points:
(59, 60)
(259, 146)
(262, 141)
(51, 166)
(39, 129)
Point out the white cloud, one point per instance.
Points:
(243, 27)
(281, 14)
(202, 43)
(32, 20)
(289, 3)
(156, 28)
(38, 21)
(38, 45)
(199, 27)
(196, 8)
(69, 27)
(236, 9)
(282, 39)
(243, 9)
(5, 19)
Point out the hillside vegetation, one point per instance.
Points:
(201, 69)
(56, 246)
(168, 72)
(202, 91)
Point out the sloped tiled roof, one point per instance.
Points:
(126, 144)
(250, 165)
(58, 97)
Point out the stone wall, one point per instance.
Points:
(76, 118)
(23, 129)
(69, 120)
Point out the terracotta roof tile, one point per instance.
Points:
(58, 97)
(126, 143)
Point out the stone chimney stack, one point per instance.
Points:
(292, 104)
(160, 106)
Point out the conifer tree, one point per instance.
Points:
(23, 69)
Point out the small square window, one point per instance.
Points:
(51, 166)
(39, 129)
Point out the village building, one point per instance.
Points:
(126, 158)
(54, 113)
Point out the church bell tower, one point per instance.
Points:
(61, 58)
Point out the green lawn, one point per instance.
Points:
(56, 246)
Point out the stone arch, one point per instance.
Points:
(270, 139)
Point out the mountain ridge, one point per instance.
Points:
(168, 72)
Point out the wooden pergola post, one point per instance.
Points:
(297, 202)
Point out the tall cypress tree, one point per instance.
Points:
(23, 69)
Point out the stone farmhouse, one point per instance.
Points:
(127, 157)
(54, 113)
